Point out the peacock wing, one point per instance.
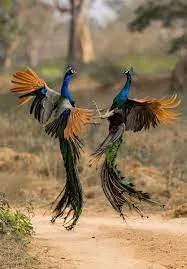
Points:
(26, 81)
(27, 84)
(144, 113)
(77, 120)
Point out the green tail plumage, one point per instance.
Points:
(70, 201)
(119, 190)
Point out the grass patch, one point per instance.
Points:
(109, 71)
(14, 223)
(106, 70)
(149, 64)
(52, 70)
(14, 254)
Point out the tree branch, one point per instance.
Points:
(60, 8)
(55, 6)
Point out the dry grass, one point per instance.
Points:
(14, 255)
(178, 212)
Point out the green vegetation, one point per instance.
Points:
(52, 69)
(15, 231)
(104, 71)
(13, 223)
(150, 64)
(168, 12)
(108, 71)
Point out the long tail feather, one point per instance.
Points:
(112, 137)
(119, 191)
(70, 201)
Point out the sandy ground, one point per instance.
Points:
(108, 243)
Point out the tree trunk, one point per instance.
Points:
(85, 40)
(72, 34)
(33, 58)
(8, 62)
(80, 40)
(179, 76)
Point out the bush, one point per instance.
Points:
(105, 71)
(13, 223)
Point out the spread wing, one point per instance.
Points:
(75, 120)
(147, 112)
(27, 84)
(78, 118)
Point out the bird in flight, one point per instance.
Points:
(66, 123)
(128, 115)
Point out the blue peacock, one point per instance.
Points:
(135, 115)
(66, 125)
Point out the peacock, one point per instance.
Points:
(67, 121)
(128, 115)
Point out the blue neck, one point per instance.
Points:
(65, 87)
(124, 93)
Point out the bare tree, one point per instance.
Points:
(84, 34)
(80, 38)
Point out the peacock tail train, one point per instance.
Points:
(69, 202)
(118, 189)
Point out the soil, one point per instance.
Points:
(108, 243)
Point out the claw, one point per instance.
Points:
(108, 114)
(98, 110)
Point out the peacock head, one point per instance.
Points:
(70, 71)
(128, 72)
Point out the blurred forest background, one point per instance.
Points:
(100, 38)
(48, 34)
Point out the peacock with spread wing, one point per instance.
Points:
(127, 114)
(67, 122)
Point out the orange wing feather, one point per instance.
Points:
(23, 100)
(79, 117)
(26, 81)
(160, 107)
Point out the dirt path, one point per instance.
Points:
(108, 243)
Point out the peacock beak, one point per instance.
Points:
(125, 72)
